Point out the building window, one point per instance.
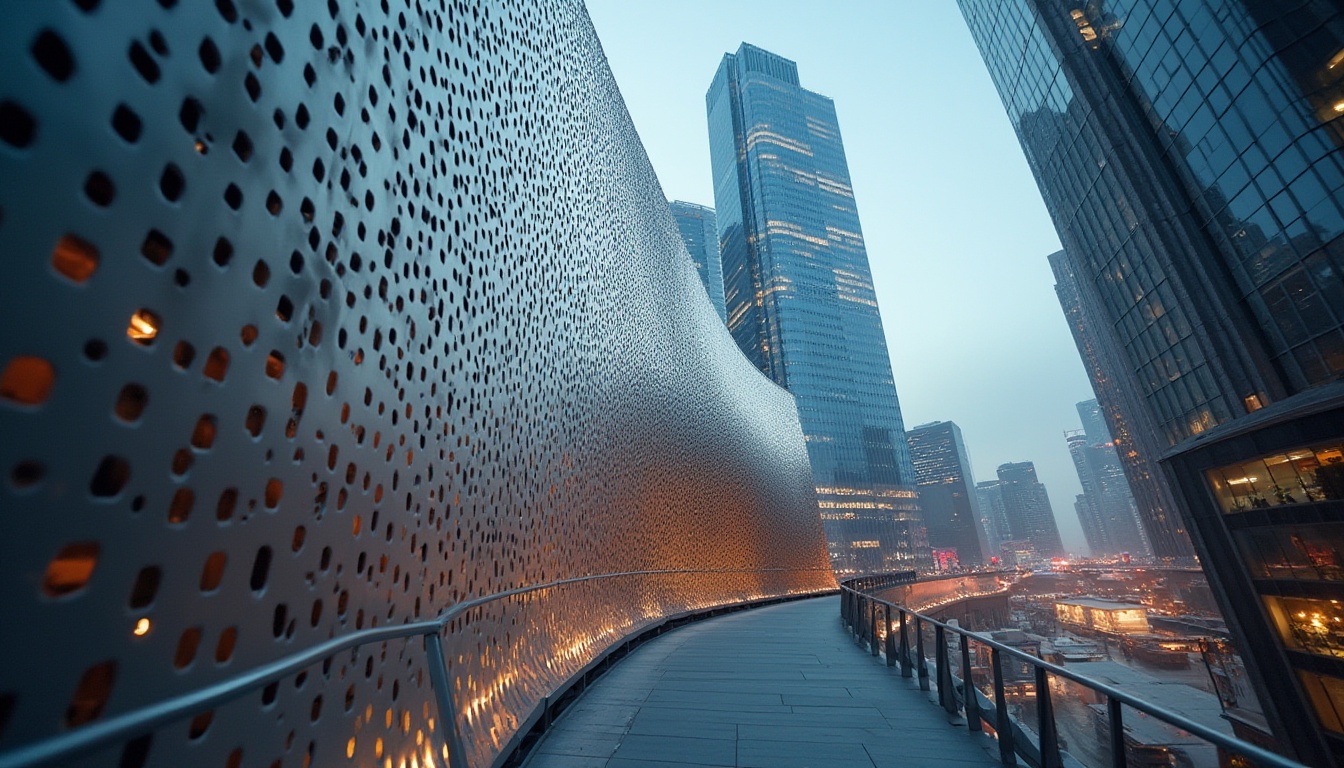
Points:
(1314, 626)
(1292, 477)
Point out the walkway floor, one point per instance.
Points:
(778, 687)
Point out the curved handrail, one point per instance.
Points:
(1231, 743)
(145, 719)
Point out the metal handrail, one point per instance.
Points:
(855, 603)
(146, 719)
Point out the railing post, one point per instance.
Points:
(891, 640)
(1117, 723)
(906, 669)
(944, 670)
(1003, 724)
(968, 693)
(921, 667)
(873, 647)
(443, 693)
(1045, 721)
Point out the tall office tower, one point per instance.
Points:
(1094, 422)
(1115, 503)
(1027, 507)
(801, 304)
(946, 491)
(989, 497)
(1135, 436)
(1190, 156)
(701, 235)
(1108, 514)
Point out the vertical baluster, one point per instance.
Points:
(891, 639)
(1046, 722)
(1002, 722)
(920, 666)
(968, 686)
(943, 667)
(906, 668)
(1117, 722)
(873, 647)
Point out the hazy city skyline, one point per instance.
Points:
(975, 331)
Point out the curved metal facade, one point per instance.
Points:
(326, 316)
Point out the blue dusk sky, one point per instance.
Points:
(956, 231)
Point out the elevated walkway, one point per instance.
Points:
(778, 687)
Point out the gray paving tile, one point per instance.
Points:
(777, 687)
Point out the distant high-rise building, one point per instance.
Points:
(993, 518)
(1107, 514)
(946, 491)
(701, 235)
(1191, 155)
(1127, 421)
(1094, 422)
(801, 304)
(1026, 505)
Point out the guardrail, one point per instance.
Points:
(886, 627)
(146, 719)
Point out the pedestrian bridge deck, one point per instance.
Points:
(783, 686)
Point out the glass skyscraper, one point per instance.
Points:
(701, 235)
(946, 491)
(801, 304)
(1026, 505)
(1189, 152)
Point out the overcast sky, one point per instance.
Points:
(956, 231)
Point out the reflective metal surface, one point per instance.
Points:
(328, 316)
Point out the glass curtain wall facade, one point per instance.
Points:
(1189, 154)
(1026, 505)
(946, 491)
(801, 305)
(993, 519)
(1127, 418)
(698, 229)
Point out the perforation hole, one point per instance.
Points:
(126, 123)
(74, 258)
(223, 253)
(224, 648)
(144, 327)
(26, 474)
(190, 114)
(261, 274)
(183, 355)
(146, 586)
(274, 490)
(70, 570)
(17, 126)
(274, 205)
(275, 365)
(200, 724)
(92, 693)
(233, 197)
(180, 508)
(100, 190)
(111, 476)
(186, 648)
(228, 500)
(203, 436)
(261, 569)
(157, 248)
(27, 380)
(284, 309)
(53, 55)
(131, 402)
(144, 63)
(182, 461)
(172, 183)
(242, 146)
(213, 571)
(216, 364)
(209, 54)
(256, 420)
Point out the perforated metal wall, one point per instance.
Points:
(320, 316)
